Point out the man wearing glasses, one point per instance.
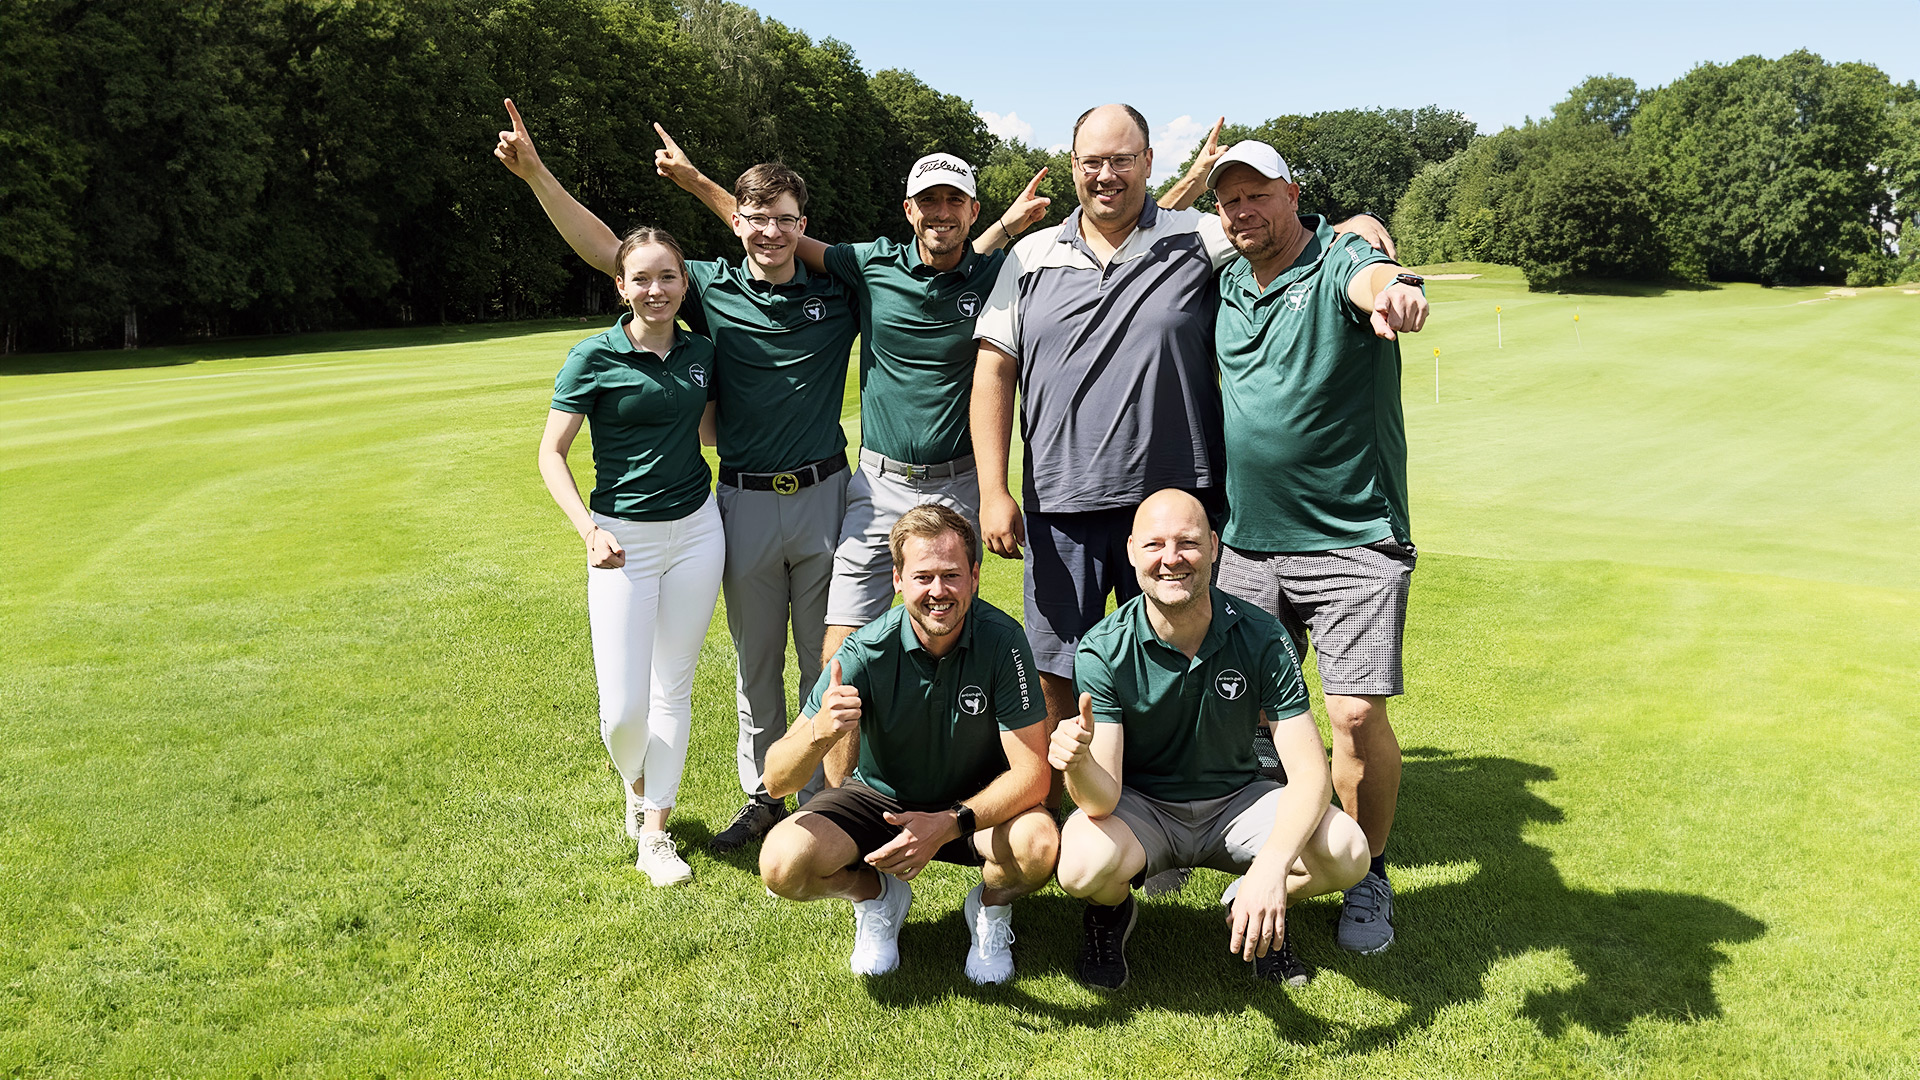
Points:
(1105, 323)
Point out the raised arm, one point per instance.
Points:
(792, 760)
(1193, 183)
(1025, 213)
(586, 234)
(673, 163)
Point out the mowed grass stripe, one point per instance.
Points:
(304, 779)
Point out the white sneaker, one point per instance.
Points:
(634, 812)
(660, 862)
(876, 928)
(990, 956)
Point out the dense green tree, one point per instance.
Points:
(1765, 164)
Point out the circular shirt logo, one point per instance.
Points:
(698, 374)
(969, 304)
(815, 308)
(1296, 297)
(973, 701)
(1230, 684)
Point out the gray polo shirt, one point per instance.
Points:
(1118, 396)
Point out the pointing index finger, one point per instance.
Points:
(665, 138)
(519, 125)
(1213, 137)
(1033, 185)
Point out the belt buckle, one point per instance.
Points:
(919, 472)
(786, 483)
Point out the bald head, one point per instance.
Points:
(1104, 118)
(1172, 549)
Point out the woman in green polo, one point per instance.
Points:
(651, 528)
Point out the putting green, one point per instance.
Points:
(301, 775)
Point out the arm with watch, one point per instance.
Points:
(1022, 786)
(1394, 300)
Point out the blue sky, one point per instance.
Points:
(1023, 65)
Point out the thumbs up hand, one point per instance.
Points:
(841, 702)
(1072, 737)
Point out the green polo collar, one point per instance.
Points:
(623, 344)
(909, 639)
(793, 284)
(1224, 616)
(921, 268)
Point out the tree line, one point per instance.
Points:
(198, 168)
(1779, 171)
(214, 167)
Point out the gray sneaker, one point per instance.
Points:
(1366, 916)
(750, 824)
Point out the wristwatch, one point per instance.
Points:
(1414, 280)
(963, 814)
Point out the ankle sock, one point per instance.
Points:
(1378, 865)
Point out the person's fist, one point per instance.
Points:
(1072, 737)
(841, 702)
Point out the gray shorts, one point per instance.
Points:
(1221, 834)
(862, 588)
(1353, 600)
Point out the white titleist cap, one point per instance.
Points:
(936, 169)
(1262, 158)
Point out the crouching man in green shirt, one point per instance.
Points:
(935, 711)
(1160, 759)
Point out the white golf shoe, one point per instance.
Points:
(876, 928)
(990, 955)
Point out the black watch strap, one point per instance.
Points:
(964, 814)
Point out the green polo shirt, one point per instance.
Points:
(1316, 445)
(644, 411)
(783, 362)
(1189, 723)
(930, 728)
(917, 346)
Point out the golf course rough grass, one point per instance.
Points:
(302, 777)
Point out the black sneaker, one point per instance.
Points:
(1103, 952)
(750, 824)
(1281, 966)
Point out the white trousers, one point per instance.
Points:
(649, 619)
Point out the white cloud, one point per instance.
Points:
(1175, 141)
(1009, 126)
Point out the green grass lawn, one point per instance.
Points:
(302, 777)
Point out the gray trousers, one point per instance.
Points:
(779, 564)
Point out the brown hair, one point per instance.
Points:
(1139, 121)
(762, 184)
(640, 237)
(925, 522)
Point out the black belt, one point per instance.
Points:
(788, 482)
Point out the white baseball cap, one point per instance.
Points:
(936, 169)
(1264, 160)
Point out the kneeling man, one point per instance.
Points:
(934, 709)
(1160, 760)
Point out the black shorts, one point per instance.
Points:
(860, 812)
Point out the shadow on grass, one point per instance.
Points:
(1636, 954)
(285, 345)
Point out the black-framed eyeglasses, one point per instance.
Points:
(786, 222)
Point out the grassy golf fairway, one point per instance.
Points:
(302, 776)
